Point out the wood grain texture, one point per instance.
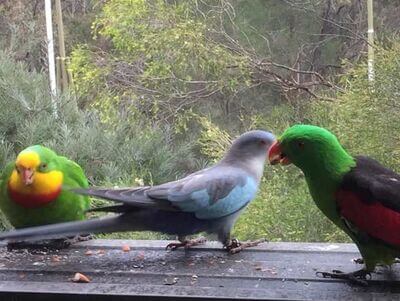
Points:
(148, 272)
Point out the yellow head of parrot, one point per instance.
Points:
(26, 165)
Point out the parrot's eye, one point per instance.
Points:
(43, 166)
(300, 144)
(262, 142)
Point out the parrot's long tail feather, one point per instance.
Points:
(134, 197)
(98, 225)
(115, 209)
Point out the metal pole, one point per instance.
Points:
(371, 71)
(50, 54)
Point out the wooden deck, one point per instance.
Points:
(148, 272)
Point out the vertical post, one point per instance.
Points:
(371, 71)
(61, 46)
(58, 73)
(50, 54)
(69, 72)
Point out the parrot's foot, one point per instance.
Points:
(186, 243)
(236, 246)
(361, 260)
(77, 238)
(358, 277)
(358, 260)
(63, 243)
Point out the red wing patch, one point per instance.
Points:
(374, 219)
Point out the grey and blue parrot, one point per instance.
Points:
(209, 200)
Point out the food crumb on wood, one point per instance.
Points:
(126, 248)
(100, 251)
(171, 280)
(55, 258)
(80, 278)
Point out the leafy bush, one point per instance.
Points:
(161, 58)
(366, 116)
(127, 153)
(365, 119)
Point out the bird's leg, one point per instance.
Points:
(185, 243)
(235, 246)
(358, 277)
(75, 239)
(359, 260)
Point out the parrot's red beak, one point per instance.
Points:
(27, 175)
(275, 155)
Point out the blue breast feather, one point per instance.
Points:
(204, 208)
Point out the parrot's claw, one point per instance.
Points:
(359, 277)
(186, 244)
(77, 238)
(358, 260)
(236, 246)
(361, 261)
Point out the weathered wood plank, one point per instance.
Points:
(270, 271)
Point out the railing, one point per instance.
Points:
(144, 270)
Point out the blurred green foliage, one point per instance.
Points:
(365, 119)
(124, 153)
(162, 60)
(161, 91)
(366, 115)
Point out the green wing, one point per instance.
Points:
(4, 181)
(5, 201)
(74, 177)
(73, 173)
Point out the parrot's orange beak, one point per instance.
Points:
(26, 175)
(275, 155)
(26, 164)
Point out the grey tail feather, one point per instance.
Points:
(115, 208)
(112, 194)
(62, 230)
(134, 197)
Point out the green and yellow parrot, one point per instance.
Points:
(357, 194)
(33, 189)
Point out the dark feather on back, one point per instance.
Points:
(373, 183)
